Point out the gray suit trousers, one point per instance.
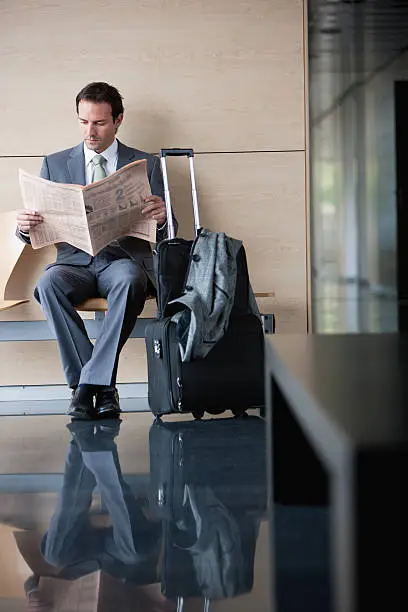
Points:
(129, 549)
(123, 282)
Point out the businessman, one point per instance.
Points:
(122, 272)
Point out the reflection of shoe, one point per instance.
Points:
(105, 434)
(82, 403)
(107, 403)
(91, 436)
(109, 427)
(83, 432)
(81, 427)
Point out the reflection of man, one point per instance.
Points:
(125, 549)
(122, 272)
(130, 547)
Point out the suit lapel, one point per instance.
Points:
(126, 155)
(76, 165)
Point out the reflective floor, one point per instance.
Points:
(133, 516)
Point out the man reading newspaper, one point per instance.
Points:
(92, 216)
(122, 272)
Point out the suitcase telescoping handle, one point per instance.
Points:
(176, 153)
(179, 153)
(180, 604)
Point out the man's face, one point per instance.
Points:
(97, 126)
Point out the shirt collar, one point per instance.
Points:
(110, 154)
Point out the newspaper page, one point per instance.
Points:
(90, 217)
(63, 211)
(114, 206)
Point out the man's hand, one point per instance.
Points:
(155, 209)
(28, 219)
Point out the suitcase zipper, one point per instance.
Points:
(168, 365)
(180, 388)
(175, 398)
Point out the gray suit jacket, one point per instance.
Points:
(69, 167)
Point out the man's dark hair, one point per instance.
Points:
(102, 92)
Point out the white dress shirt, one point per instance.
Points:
(111, 156)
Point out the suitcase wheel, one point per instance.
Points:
(198, 414)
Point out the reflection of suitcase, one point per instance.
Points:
(209, 554)
(227, 454)
(231, 376)
(208, 485)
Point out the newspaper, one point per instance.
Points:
(90, 217)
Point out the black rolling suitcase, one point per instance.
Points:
(208, 487)
(231, 376)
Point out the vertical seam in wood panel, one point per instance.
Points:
(309, 328)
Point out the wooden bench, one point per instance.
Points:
(12, 250)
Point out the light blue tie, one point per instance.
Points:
(99, 173)
(98, 169)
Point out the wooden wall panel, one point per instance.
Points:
(38, 363)
(218, 76)
(260, 199)
(226, 78)
(10, 196)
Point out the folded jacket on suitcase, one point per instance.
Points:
(209, 294)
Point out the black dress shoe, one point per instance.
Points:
(82, 404)
(92, 436)
(107, 403)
